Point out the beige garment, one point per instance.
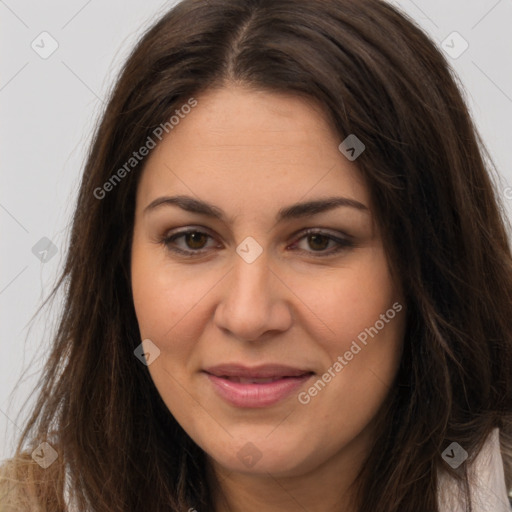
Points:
(487, 482)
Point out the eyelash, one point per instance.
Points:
(342, 244)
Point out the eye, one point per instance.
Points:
(193, 239)
(195, 242)
(319, 241)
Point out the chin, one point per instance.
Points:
(263, 457)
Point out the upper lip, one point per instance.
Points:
(256, 372)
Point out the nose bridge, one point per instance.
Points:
(250, 304)
(251, 285)
(251, 273)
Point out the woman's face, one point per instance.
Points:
(273, 348)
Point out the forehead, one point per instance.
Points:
(250, 149)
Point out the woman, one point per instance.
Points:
(288, 281)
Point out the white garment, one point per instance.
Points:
(487, 482)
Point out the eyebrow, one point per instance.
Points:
(294, 211)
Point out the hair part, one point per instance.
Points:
(378, 76)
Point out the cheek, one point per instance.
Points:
(348, 301)
(168, 301)
(359, 324)
(174, 303)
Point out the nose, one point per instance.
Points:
(254, 303)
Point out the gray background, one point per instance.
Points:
(49, 108)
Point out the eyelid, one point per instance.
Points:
(343, 241)
(173, 235)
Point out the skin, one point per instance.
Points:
(252, 153)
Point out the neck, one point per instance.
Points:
(271, 494)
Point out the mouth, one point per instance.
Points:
(255, 380)
(256, 387)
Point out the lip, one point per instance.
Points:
(229, 382)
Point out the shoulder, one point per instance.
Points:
(487, 482)
(14, 492)
(25, 485)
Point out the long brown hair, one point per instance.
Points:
(378, 76)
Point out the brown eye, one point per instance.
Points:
(318, 242)
(193, 242)
(195, 239)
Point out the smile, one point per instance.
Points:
(255, 387)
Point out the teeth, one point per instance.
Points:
(258, 381)
(254, 380)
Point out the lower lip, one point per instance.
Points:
(256, 395)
